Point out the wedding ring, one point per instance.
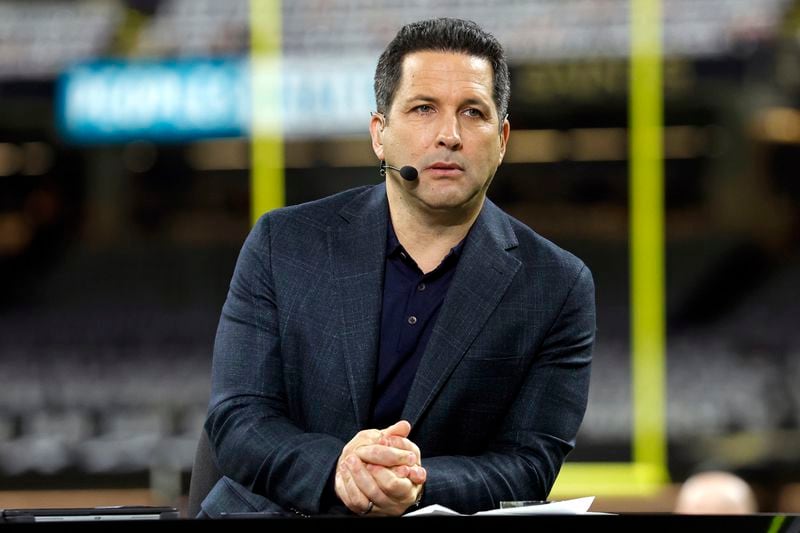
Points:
(369, 508)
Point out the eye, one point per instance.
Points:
(472, 112)
(423, 109)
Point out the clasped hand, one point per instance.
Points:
(380, 471)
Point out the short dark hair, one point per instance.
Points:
(444, 35)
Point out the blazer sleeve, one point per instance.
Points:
(251, 435)
(539, 430)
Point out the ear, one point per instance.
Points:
(376, 126)
(504, 134)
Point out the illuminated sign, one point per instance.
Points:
(166, 100)
(180, 100)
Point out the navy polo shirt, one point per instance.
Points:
(411, 304)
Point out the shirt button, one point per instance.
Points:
(412, 320)
(421, 287)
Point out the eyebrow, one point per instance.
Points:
(475, 101)
(425, 98)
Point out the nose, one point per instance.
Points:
(449, 134)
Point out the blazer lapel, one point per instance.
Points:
(358, 250)
(482, 277)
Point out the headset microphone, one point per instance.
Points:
(407, 172)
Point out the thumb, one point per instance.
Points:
(400, 429)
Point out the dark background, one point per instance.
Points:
(115, 258)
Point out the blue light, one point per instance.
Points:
(115, 101)
(187, 99)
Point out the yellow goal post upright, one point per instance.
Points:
(648, 471)
(267, 186)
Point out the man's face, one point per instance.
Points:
(443, 121)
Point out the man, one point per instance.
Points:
(406, 343)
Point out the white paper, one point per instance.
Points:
(575, 506)
(434, 510)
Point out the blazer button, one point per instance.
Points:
(412, 320)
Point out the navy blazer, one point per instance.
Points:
(497, 400)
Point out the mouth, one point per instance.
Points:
(441, 168)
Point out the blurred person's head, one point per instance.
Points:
(715, 492)
(441, 35)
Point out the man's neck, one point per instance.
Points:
(428, 235)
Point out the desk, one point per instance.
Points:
(633, 522)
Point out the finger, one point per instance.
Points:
(400, 471)
(386, 455)
(341, 491)
(356, 500)
(416, 474)
(396, 488)
(367, 436)
(347, 493)
(401, 428)
(364, 480)
(401, 443)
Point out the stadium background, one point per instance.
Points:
(118, 233)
